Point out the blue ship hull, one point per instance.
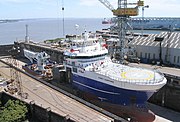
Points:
(110, 94)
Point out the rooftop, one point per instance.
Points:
(172, 40)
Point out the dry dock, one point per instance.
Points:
(61, 104)
(58, 102)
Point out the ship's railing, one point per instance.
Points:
(138, 81)
(135, 81)
(152, 81)
(153, 70)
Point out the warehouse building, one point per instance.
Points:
(150, 50)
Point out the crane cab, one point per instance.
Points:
(120, 12)
(126, 12)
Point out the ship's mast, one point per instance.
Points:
(27, 34)
(63, 17)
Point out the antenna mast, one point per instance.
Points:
(27, 34)
(63, 17)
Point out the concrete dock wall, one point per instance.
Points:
(37, 112)
(55, 55)
(169, 95)
(4, 49)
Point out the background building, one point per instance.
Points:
(155, 23)
(149, 50)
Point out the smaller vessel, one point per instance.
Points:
(105, 21)
(40, 65)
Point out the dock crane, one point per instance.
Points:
(121, 24)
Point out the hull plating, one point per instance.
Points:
(111, 94)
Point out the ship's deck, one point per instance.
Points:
(130, 74)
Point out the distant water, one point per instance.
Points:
(42, 29)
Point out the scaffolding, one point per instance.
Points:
(15, 84)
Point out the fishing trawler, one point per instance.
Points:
(123, 88)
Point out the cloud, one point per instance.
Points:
(27, 1)
(158, 8)
(115, 2)
(89, 2)
(96, 2)
(35, 3)
(162, 8)
(14, 1)
(162, 2)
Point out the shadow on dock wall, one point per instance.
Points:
(55, 55)
(168, 96)
(4, 49)
(36, 113)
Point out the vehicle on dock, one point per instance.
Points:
(121, 89)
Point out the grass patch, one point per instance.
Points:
(53, 40)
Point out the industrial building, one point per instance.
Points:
(155, 23)
(149, 50)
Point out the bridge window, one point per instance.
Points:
(86, 57)
(74, 69)
(73, 63)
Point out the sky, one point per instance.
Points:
(25, 9)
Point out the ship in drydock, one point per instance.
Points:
(121, 87)
(40, 65)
